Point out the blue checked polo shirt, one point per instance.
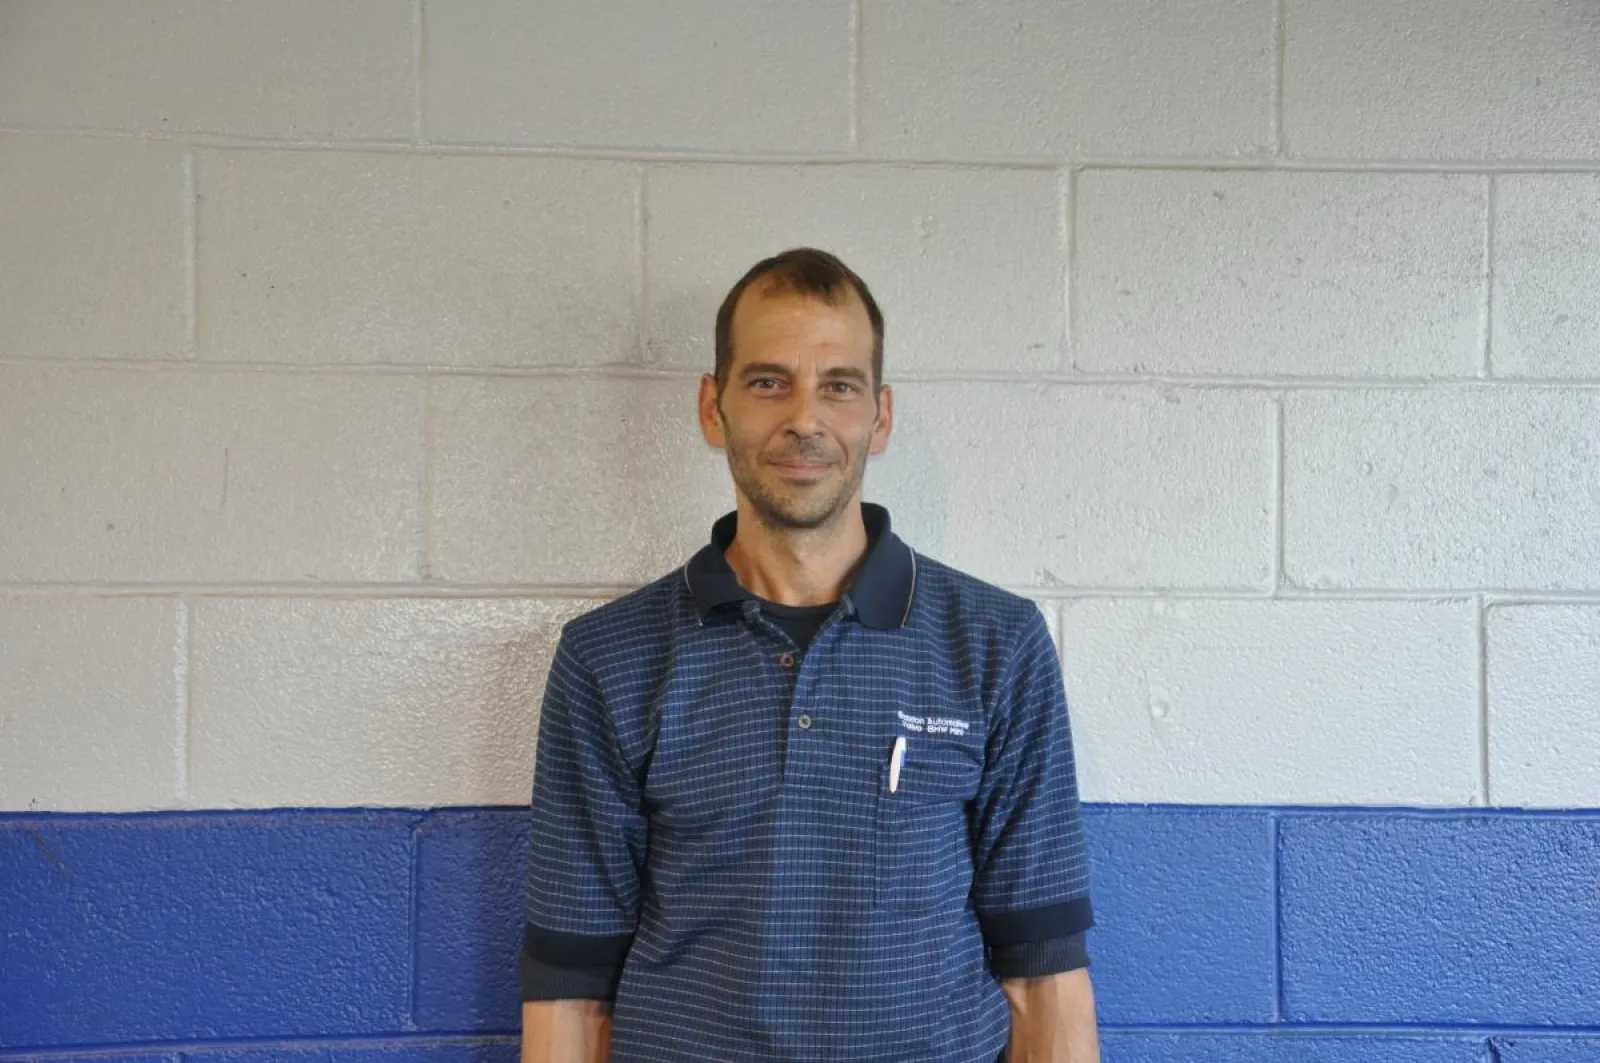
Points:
(716, 843)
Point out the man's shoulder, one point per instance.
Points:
(646, 612)
(967, 601)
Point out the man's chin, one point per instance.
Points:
(799, 517)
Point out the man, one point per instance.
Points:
(810, 797)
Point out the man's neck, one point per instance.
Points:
(794, 566)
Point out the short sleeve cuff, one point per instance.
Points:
(1001, 929)
(1037, 959)
(557, 966)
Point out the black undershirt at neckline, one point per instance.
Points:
(800, 622)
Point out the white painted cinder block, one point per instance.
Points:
(967, 265)
(380, 702)
(1274, 702)
(94, 243)
(321, 257)
(1329, 274)
(575, 481)
(186, 476)
(712, 75)
(289, 68)
(88, 704)
(941, 78)
(1544, 699)
(1547, 275)
(1084, 486)
(420, 327)
(1463, 488)
(1441, 79)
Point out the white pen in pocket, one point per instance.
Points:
(896, 759)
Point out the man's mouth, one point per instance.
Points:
(802, 467)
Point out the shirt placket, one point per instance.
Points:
(799, 674)
(803, 789)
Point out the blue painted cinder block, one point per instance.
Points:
(291, 935)
(498, 1050)
(117, 930)
(1184, 924)
(1547, 1049)
(1442, 919)
(1287, 1047)
(470, 876)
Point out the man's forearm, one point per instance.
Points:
(1052, 1019)
(566, 1031)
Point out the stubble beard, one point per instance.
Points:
(798, 512)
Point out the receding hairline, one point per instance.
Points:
(784, 282)
(782, 286)
(776, 288)
(807, 273)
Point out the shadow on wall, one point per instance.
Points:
(909, 478)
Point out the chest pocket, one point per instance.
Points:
(924, 850)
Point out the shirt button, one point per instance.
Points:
(787, 660)
(804, 722)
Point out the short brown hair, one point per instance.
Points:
(803, 271)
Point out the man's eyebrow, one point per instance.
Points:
(840, 372)
(763, 369)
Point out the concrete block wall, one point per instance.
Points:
(348, 350)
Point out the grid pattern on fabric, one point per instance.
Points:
(724, 797)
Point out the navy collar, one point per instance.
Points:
(880, 595)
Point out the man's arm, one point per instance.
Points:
(1031, 868)
(566, 1031)
(588, 842)
(1052, 1019)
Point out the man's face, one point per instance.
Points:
(798, 414)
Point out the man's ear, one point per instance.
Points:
(710, 414)
(885, 425)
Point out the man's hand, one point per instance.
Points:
(566, 1031)
(1052, 1019)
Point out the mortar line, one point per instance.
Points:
(425, 539)
(641, 251)
(418, 54)
(1486, 368)
(627, 153)
(1485, 794)
(1280, 46)
(1275, 869)
(855, 76)
(191, 255)
(1359, 807)
(1066, 356)
(1280, 496)
(413, 918)
(1062, 592)
(183, 715)
(1199, 382)
(1060, 638)
(468, 1037)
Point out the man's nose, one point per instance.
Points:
(805, 413)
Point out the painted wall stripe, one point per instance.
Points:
(1405, 934)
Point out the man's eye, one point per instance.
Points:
(764, 383)
(841, 387)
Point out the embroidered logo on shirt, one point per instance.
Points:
(934, 725)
